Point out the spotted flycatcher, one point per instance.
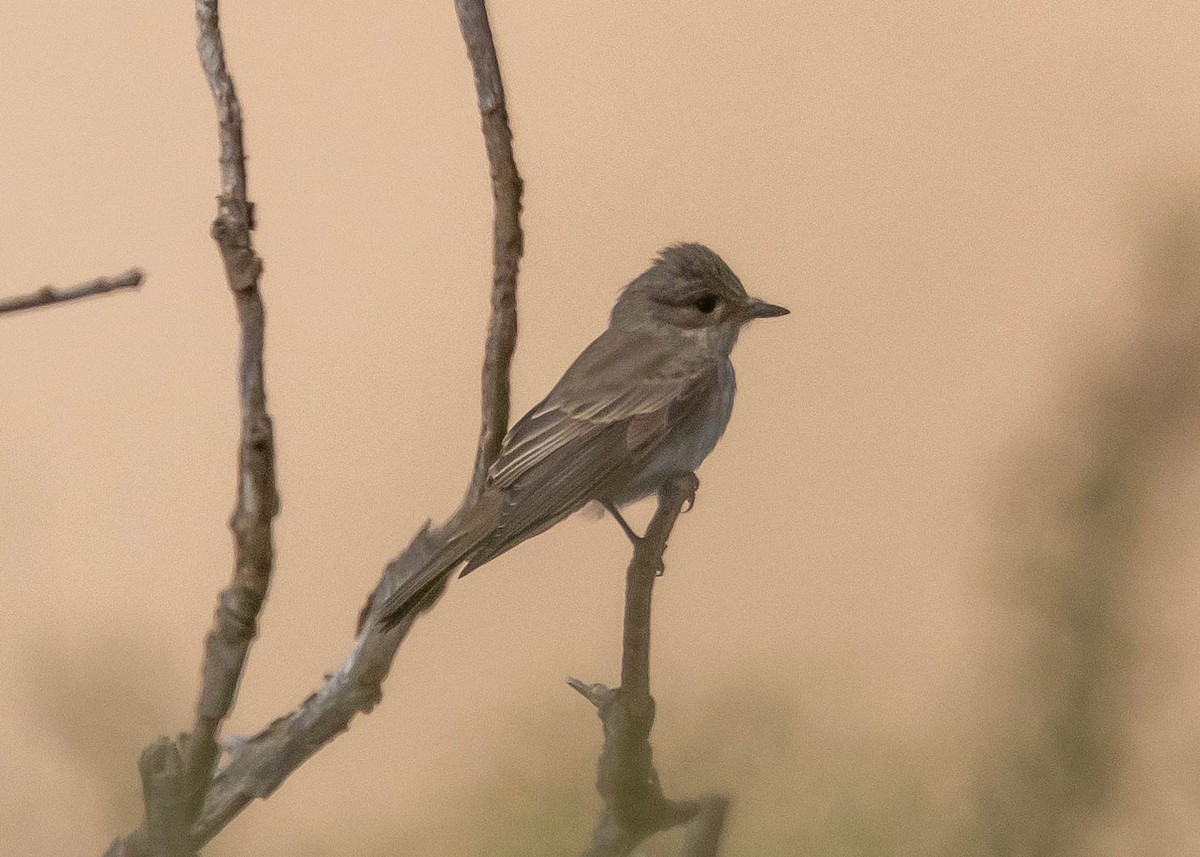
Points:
(646, 401)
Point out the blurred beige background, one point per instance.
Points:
(961, 205)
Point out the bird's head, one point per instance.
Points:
(689, 289)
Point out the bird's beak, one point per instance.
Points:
(762, 309)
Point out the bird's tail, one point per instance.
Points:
(413, 580)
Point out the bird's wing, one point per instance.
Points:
(596, 429)
(616, 378)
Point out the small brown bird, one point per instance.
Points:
(647, 400)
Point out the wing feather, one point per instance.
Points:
(615, 378)
(595, 431)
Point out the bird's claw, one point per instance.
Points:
(689, 483)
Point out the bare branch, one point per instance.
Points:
(634, 804)
(261, 763)
(508, 239)
(235, 619)
(47, 295)
(258, 765)
(167, 821)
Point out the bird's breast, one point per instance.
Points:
(691, 441)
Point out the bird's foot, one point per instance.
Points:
(688, 483)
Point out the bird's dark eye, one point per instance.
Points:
(706, 303)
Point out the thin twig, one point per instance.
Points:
(634, 804)
(48, 295)
(258, 765)
(235, 620)
(236, 616)
(508, 239)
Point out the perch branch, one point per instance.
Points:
(259, 764)
(634, 804)
(47, 295)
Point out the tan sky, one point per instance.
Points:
(948, 197)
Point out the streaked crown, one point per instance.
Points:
(684, 273)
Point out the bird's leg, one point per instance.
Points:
(611, 508)
(689, 485)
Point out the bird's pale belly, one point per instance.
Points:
(689, 444)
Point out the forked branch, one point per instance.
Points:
(258, 765)
(634, 804)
